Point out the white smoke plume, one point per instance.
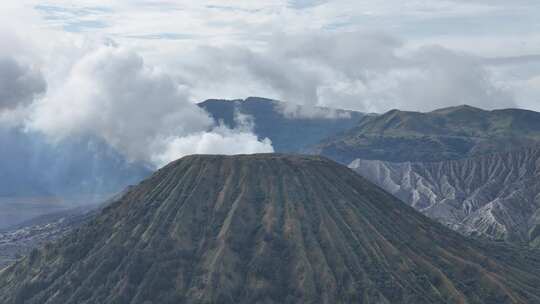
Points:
(141, 111)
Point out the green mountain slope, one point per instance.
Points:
(267, 229)
(445, 134)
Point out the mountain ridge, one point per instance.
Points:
(289, 134)
(444, 134)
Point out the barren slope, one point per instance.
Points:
(495, 195)
(267, 229)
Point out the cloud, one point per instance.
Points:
(369, 56)
(302, 4)
(440, 77)
(137, 109)
(294, 68)
(337, 53)
(73, 18)
(512, 60)
(20, 83)
(527, 93)
(220, 140)
(365, 71)
(366, 56)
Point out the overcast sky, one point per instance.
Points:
(70, 67)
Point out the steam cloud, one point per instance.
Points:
(140, 111)
(221, 140)
(19, 83)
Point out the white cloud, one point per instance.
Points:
(113, 94)
(364, 55)
(441, 77)
(220, 140)
(366, 71)
(20, 83)
(221, 22)
(527, 93)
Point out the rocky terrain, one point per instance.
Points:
(495, 195)
(445, 134)
(267, 229)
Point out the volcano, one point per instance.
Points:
(267, 228)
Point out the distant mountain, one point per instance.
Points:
(494, 195)
(40, 177)
(31, 166)
(267, 229)
(445, 134)
(288, 134)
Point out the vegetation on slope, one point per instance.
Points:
(445, 134)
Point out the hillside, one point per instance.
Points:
(495, 195)
(445, 134)
(267, 229)
(19, 240)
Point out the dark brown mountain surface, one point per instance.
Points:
(267, 229)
